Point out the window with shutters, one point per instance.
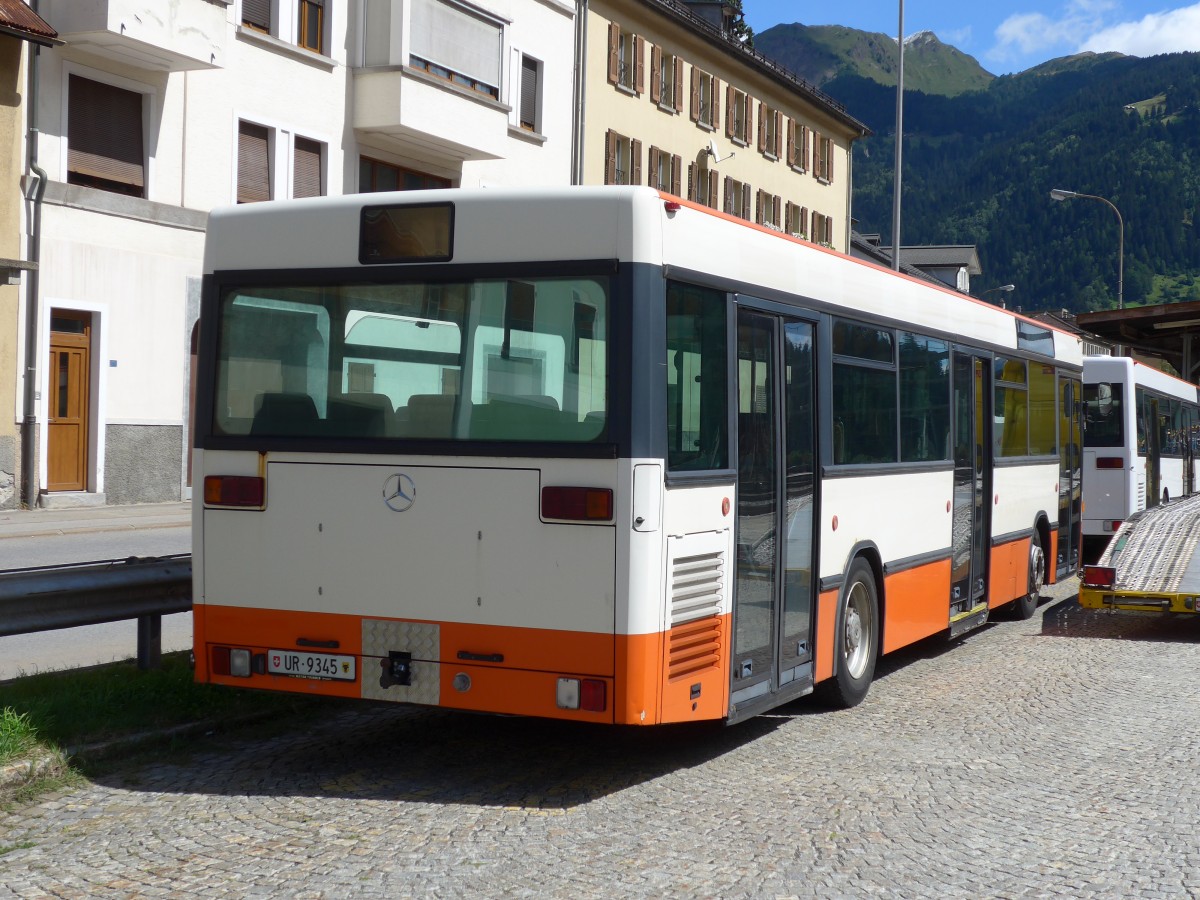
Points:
(105, 144)
(822, 229)
(770, 131)
(666, 171)
(823, 158)
(625, 52)
(456, 43)
(311, 25)
(307, 169)
(737, 198)
(666, 80)
(254, 163)
(702, 185)
(796, 220)
(768, 209)
(737, 116)
(529, 104)
(376, 175)
(705, 105)
(622, 159)
(798, 137)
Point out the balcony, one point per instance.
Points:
(436, 116)
(159, 35)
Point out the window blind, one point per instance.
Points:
(104, 133)
(451, 37)
(529, 91)
(306, 168)
(254, 163)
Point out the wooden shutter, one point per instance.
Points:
(529, 93)
(778, 133)
(791, 142)
(712, 188)
(678, 85)
(762, 127)
(655, 73)
(614, 53)
(804, 221)
(695, 99)
(813, 231)
(714, 115)
(610, 157)
(746, 202)
(729, 123)
(257, 14)
(775, 210)
(306, 168)
(655, 153)
(728, 194)
(692, 193)
(805, 136)
(829, 160)
(676, 174)
(254, 163)
(758, 206)
(104, 136)
(635, 162)
(639, 75)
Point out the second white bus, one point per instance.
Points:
(1140, 433)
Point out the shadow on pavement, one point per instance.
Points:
(1068, 619)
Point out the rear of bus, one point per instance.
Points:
(1114, 479)
(412, 470)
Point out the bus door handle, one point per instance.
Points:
(481, 657)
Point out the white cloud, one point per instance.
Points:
(1165, 32)
(1030, 34)
(1025, 33)
(957, 37)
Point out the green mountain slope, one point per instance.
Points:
(821, 53)
(978, 168)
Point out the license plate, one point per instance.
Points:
(299, 664)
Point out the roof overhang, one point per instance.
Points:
(1168, 331)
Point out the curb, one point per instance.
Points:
(25, 770)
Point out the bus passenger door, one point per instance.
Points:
(1070, 492)
(773, 594)
(970, 527)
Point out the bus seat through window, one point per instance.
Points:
(284, 413)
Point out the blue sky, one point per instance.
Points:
(1008, 36)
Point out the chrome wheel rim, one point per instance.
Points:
(859, 626)
(1036, 579)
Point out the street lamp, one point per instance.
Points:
(1060, 194)
(1004, 288)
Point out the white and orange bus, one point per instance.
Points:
(601, 454)
(1140, 438)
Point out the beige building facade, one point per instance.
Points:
(672, 101)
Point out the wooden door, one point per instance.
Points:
(67, 419)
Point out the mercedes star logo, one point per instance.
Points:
(399, 492)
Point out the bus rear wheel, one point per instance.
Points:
(856, 637)
(1026, 606)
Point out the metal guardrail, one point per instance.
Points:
(47, 598)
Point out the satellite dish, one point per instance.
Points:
(714, 152)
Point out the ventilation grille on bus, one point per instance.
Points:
(696, 586)
(694, 647)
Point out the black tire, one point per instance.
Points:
(856, 639)
(1024, 607)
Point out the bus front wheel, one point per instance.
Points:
(856, 636)
(1026, 606)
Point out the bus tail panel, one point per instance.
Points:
(680, 676)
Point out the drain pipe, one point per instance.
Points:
(580, 92)
(29, 469)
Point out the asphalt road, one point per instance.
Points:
(25, 654)
(1048, 758)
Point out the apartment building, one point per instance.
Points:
(153, 113)
(20, 29)
(673, 101)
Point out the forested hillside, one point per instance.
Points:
(979, 167)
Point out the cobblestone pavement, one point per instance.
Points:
(1049, 758)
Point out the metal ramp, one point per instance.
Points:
(1151, 564)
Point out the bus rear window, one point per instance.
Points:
(488, 360)
(1103, 422)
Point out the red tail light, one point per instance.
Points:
(1109, 462)
(1099, 576)
(577, 503)
(591, 695)
(235, 490)
(220, 660)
